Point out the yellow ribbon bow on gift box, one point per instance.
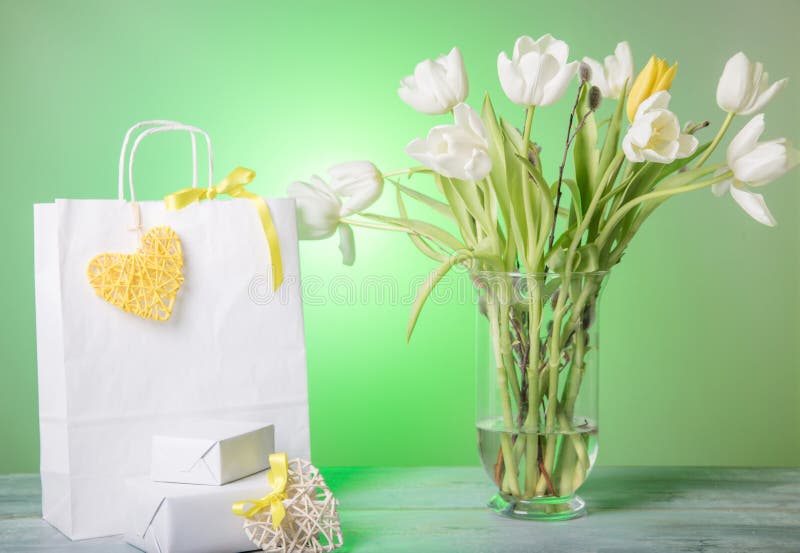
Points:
(233, 186)
(278, 477)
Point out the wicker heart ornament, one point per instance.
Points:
(299, 515)
(144, 283)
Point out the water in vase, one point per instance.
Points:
(559, 463)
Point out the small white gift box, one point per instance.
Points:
(211, 452)
(185, 518)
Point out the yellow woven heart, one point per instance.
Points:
(144, 283)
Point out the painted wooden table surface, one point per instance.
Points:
(432, 510)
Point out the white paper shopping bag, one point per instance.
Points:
(109, 380)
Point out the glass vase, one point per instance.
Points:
(537, 424)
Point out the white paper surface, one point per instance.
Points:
(184, 518)
(109, 381)
(211, 452)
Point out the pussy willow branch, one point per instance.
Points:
(567, 144)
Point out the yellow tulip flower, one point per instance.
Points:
(655, 77)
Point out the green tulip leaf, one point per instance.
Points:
(420, 242)
(575, 193)
(584, 151)
(435, 276)
(497, 154)
(611, 141)
(587, 259)
(515, 173)
(440, 207)
(556, 258)
(425, 289)
(466, 223)
(423, 228)
(468, 192)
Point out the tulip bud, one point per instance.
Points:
(584, 72)
(692, 127)
(436, 85)
(743, 87)
(320, 208)
(758, 163)
(359, 182)
(458, 151)
(655, 134)
(533, 152)
(755, 163)
(595, 98)
(614, 74)
(655, 77)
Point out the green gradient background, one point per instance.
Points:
(700, 322)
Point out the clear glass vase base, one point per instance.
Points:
(541, 508)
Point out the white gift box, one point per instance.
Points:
(212, 452)
(185, 518)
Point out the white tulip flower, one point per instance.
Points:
(359, 182)
(537, 73)
(755, 163)
(458, 151)
(320, 208)
(436, 86)
(655, 133)
(616, 70)
(743, 88)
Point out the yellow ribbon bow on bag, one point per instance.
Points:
(278, 477)
(233, 186)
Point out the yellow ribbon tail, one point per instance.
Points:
(233, 186)
(278, 478)
(278, 512)
(270, 233)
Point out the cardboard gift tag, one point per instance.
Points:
(211, 452)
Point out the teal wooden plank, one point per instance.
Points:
(437, 509)
(614, 488)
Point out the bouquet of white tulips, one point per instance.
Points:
(545, 218)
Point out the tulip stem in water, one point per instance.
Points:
(714, 143)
